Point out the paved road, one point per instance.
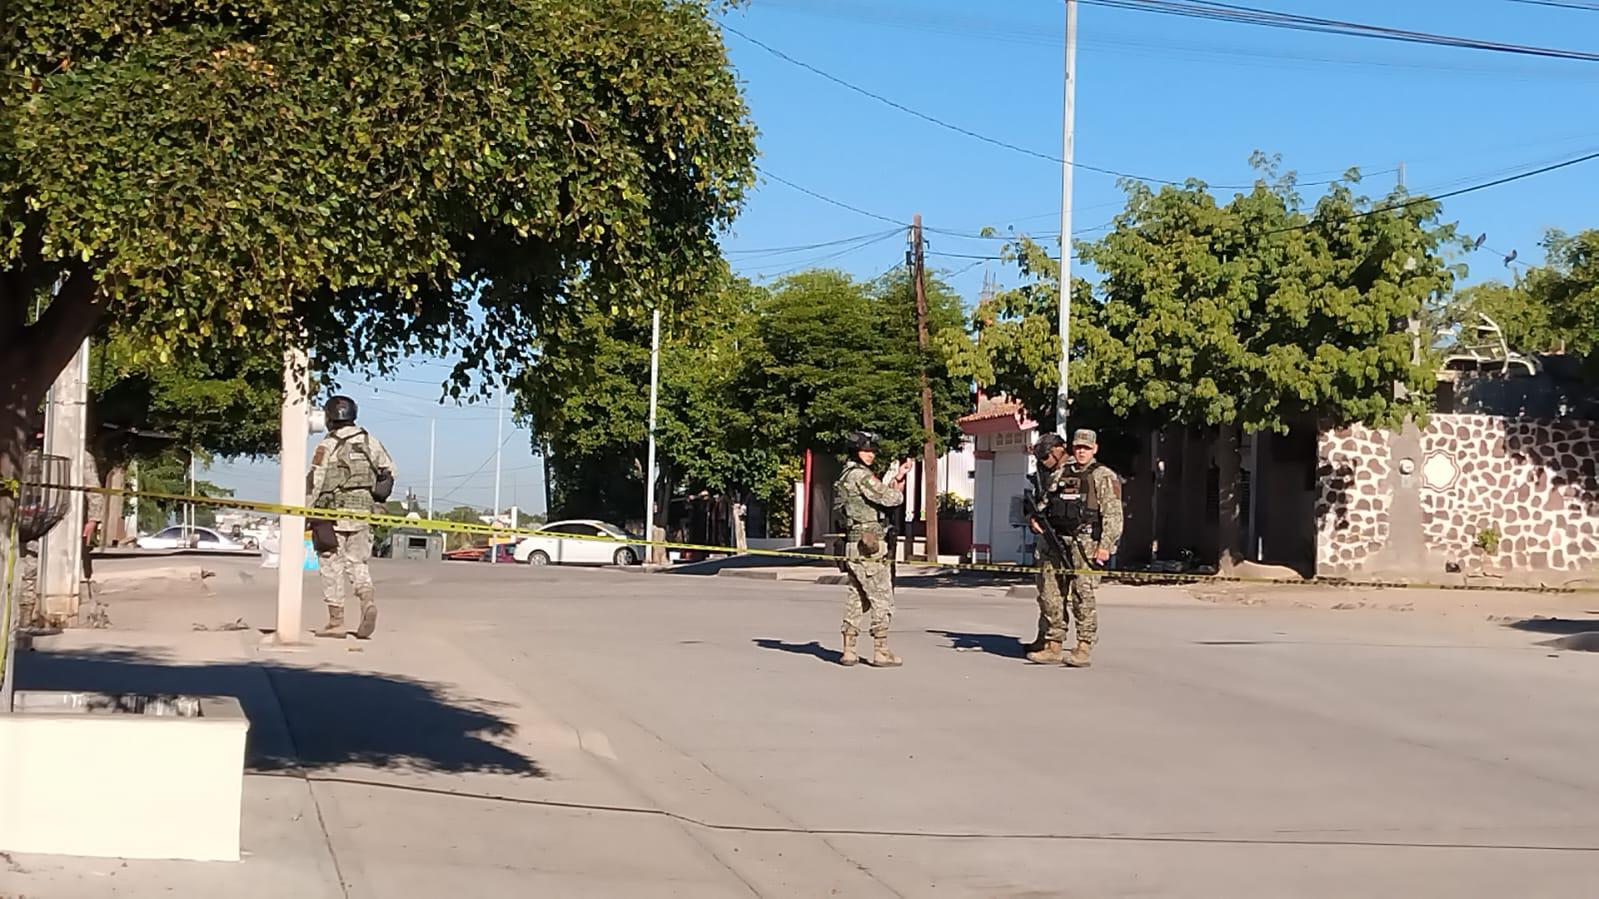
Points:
(672, 735)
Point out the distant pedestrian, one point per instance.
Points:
(1082, 501)
(861, 504)
(350, 470)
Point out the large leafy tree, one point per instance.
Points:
(830, 355)
(1245, 315)
(370, 178)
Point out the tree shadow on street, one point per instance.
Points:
(1005, 645)
(308, 718)
(812, 648)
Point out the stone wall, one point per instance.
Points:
(1352, 507)
(1534, 481)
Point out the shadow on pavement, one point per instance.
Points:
(994, 644)
(812, 648)
(915, 576)
(1557, 625)
(747, 561)
(334, 717)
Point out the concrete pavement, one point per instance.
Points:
(614, 734)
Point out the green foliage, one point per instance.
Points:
(168, 473)
(749, 379)
(387, 178)
(223, 402)
(830, 355)
(1488, 541)
(1248, 313)
(1551, 308)
(954, 506)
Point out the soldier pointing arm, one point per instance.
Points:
(862, 503)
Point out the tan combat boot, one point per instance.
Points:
(1049, 655)
(1079, 656)
(881, 657)
(369, 613)
(849, 657)
(335, 625)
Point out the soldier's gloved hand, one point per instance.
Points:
(870, 543)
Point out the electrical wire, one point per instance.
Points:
(1561, 4)
(781, 251)
(958, 129)
(812, 263)
(1248, 15)
(1394, 207)
(826, 199)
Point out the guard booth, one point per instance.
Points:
(416, 543)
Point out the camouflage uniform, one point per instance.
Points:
(344, 471)
(861, 501)
(1055, 582)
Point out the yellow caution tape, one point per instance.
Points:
(492, 531)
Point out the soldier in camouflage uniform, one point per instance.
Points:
(1084, 506)
(349, 470)
(861, 503)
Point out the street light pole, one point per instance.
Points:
(655, 377)
(1068, 125)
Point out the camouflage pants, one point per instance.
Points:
(871, 590)
(1057, 589)
(346, 568)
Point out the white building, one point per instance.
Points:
(1000, 436)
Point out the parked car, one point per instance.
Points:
(500, 553)
(544, 550)
(180, 537)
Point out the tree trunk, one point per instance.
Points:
(1229, 526)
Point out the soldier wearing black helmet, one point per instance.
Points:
(350, 470)
(861, 503)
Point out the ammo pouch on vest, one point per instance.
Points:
(384, 487)
(1070, 510)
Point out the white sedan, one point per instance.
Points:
(543, 550)
(179, 537)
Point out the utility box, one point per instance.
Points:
(417, 544)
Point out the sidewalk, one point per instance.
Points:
(391, 767)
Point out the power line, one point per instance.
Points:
(958, 129)
(1562, 4)
(779, 251)
(1248, 15)
(1541, 170)
(826, 199)
(861, 245)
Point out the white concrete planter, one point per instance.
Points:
(122, 776)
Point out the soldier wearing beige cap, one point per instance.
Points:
(1083, 503)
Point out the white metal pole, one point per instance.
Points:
(294, 425)
(655, 378)
(1068, 117)
(433, 436)
(499, 444)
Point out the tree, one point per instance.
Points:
(369, 179)
(168, 472)
(829, 355)
(1248, 315)
(1553, 307)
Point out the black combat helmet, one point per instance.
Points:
(340, 411)
(862, 440)
(1046, 444)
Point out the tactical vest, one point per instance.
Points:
(349, 476)
(852, 511)
(1074, 502)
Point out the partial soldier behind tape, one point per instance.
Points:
(1082, 501)
(861, 504)
(350, 470)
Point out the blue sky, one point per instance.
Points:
(1157, 96)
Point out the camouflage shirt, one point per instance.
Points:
(860, 500)
(344, 469)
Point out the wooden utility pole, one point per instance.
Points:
(929, 448)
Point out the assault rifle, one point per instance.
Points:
(1039, 513)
